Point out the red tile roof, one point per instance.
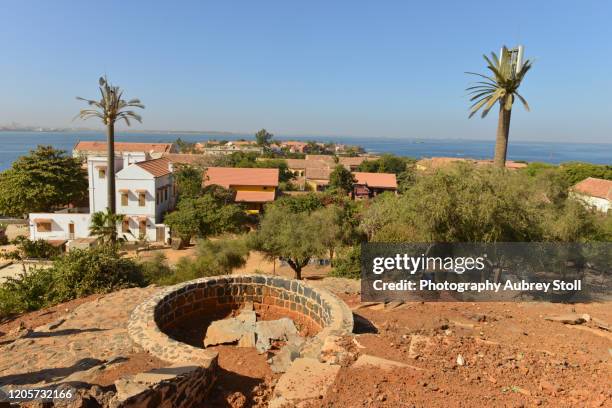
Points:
(230, 176)
(352, 161)
(156, 167)
(184, 158)
(376, 180)
(595, 187)
(318, 173)
(94, 146)
(304, 163)
(255, 196)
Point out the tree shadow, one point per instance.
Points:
(49, 374)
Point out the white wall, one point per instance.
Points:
(600, 204)
(98, 200)
(59, 225)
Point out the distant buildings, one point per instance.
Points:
(594, 192)
(253, 186)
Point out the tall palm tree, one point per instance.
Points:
(111, 108)
(501, 87)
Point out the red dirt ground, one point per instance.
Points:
(513, 358)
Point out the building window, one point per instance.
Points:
(165, 193)
(43, 226)
(124, 199)
(141, 199)
(102, 173)
(142, 228)
(125, 226)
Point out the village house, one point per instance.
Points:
(130, 152)
(369, 185)
(352, 163)
(244, 146)
(594, 192)
(317, 179)
(144, 192)
(294, 146)
(253, 186)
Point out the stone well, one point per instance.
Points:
(321, 311)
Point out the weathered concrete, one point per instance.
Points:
(269, 330)
(306, 380)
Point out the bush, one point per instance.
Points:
(76, 274)
(27, 249)
(156, 270)
(219, 257)
(84, 272)
(26, 293)
(348, 263)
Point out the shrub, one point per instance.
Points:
(217, 257)
(25, 293)
(76, 274)
(156, 270)
(27, 249)
(348, 263)
(98, 270)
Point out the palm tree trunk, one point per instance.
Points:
(503, 131)
(110, 136)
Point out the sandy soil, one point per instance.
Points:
(512, 357)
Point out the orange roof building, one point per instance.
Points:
(376, 180)
(594, 192)
(253, 186)
(156, 167)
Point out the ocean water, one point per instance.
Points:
(15, 144)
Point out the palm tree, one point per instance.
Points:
(104, 226)
(111, 108)
(501, 87)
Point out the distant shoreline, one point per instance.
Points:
(299, 137)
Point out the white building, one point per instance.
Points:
(131, 152)
(144, 192)
(594, 192)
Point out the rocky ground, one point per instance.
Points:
(434, 354)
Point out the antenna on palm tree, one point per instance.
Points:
(516, 57)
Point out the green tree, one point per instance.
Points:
(387, 163)
(205, 216)
(188, 181)
(103, 226)
(341, 179)
(111, 108)
(294, 237)
(263, 137)
(501, 87)
(184, 146)
(41, 181)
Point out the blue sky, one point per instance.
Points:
(371, 68)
